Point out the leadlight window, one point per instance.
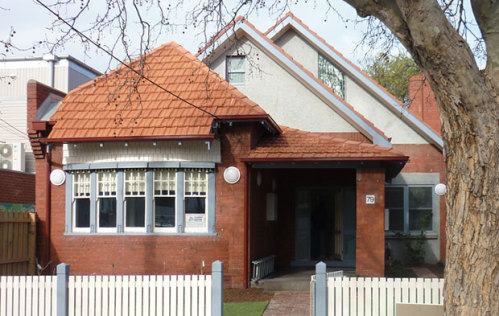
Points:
(409, 208)
(135, 200)
(331, 76)
(106, 201)
(81, 201)
(235, 69)
(164, 199)
(195, 195)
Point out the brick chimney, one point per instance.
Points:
(422, 102)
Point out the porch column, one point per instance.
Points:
(370, 237)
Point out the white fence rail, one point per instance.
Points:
(196, 295)
(28, 295)
(139, 295)
(379, 296)
(334, 295)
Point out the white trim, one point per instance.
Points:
(387, 100)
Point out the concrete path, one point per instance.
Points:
(289, 303)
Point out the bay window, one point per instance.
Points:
(147, 199)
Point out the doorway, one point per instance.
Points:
(324, 223)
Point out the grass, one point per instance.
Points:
(245, 308)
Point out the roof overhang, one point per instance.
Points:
(360, 77)
(125, 138)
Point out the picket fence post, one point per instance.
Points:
(62, 289)
(217, 288)
(320, 289)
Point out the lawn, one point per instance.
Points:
(245, 308)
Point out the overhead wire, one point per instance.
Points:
(14, 128)
(122, 62)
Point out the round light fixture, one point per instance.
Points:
(232, 175)
(440, 189)
(57, 177)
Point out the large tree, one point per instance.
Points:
(467, 98)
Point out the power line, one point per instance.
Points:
(15, 128)
(123, 63)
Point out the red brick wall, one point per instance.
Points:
(422, 102)
(427, 158)
(37, 93)
(17, 187)
(150, 254)
(370, 250)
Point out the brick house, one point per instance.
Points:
(168, 175)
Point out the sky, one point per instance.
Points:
(30, 22)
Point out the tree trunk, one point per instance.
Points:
(468, 103)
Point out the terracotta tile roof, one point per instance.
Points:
(111, 106)
(243, 20)
(297, 145)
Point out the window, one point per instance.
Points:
(235, 69)
(196, 187)
(147, 200)
(331, 76)
(409, 208)
(81, 202)
(135, 200)
(106, 201)
(164, 199)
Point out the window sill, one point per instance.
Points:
(412, 235)
(141, 234)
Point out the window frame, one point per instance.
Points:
(121, 168)
(204, 228)
(138, 195)
(342, 93)
(154, 196)
(97, 205)
(75, 197)
(406, 208)
(229, 71)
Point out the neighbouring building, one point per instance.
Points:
(61, 72)
(282, 148)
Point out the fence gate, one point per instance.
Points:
(17, 243)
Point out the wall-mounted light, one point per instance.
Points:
(274, 185)
(180, 143)
(154, 143)
(101, 144)
(57, 177)
(232, 175)
(126, 144)
(75, 145)
(440, 189)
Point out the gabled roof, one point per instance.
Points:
(297, 145)
(241, 26)
(387, 99)
(112, 107)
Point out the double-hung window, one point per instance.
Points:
(195, 195)
(81, 201)
(165, 184)
(106, 201)
(235, 70)
(409, 208)
(135, 200)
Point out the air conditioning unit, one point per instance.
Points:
(12, 156)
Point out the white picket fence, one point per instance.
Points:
(108, 295)
(379, 296)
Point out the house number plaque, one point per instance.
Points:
(370, 199)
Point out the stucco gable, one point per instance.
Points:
(291, 29)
